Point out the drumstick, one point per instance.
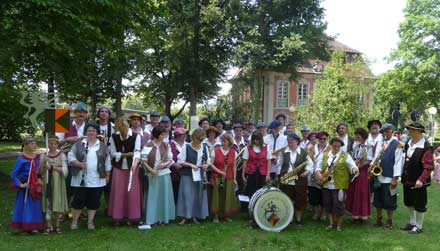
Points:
(426, 184)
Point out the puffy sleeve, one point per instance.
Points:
(64, 164)
(428, 166)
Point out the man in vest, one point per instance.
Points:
(416, 176)
(67, 139)
(291, 158)
(336, 164)
(390, 152)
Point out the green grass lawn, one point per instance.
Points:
(223, 236)
(9, 146)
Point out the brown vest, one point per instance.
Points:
(123, 146)
(300, 158)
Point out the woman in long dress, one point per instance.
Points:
(358, 194)
(193, 198)
(157, 158)
(27, 214)
(53, 171)
(224, 180)
(125, 202)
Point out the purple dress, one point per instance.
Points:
(358, 195)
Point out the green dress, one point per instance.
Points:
(54, 194)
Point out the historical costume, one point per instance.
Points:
(296, 158)
(90, 161)
(333, 171)
(125, 201)
(176, 146)
(416, 176)
(193, 197)
(53, 171)
(157, 158)
(389, 159)
(358, 194)
(314, 189)
(27, 214)
(276, 143)
(341, 130)
(223, 199)
(256, 164)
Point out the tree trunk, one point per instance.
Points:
(196, 68)
(256, 93)
(118, 98)
(51, 92)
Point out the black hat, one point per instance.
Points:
(294, 137)
(371, 122)
(336, 139)
(416, 126)
(274, 124)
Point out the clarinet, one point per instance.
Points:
(204, 160)
(84, 172)
(222, 178)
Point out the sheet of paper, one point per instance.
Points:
(243, 198)
(196, 175)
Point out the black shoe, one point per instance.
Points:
(407, 227)
(415, 230)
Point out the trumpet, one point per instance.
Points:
(292, 175)
(275, 153)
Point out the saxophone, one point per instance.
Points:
(292, 175)
(376, 170)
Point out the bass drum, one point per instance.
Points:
(271, 209)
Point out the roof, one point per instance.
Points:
(335, 45)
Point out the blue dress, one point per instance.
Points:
(26, 216)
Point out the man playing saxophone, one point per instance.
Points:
(338, 165)
(390, 162)
(295, 162)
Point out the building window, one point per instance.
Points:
(282, 93)
(303, 92)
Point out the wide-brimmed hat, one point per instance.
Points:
(336, 139)
(416, 126)
(212, 129)
(135, 115)
(180, 131)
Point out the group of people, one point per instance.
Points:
(152, 173)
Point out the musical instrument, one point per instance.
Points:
(325, 178)
(292, 175)
(239, 160)
(376, 170)
(84, 171)
(361, 158)
(275, 153)
(225, 167)
(271, 209)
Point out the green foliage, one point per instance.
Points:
(414, 83)
(337, 95)
(278, 35)
(222, 109)
(12, 123)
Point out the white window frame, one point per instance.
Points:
(301, 97)
(283, 94)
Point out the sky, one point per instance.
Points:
(369, 26)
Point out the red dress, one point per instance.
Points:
(358, 195)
